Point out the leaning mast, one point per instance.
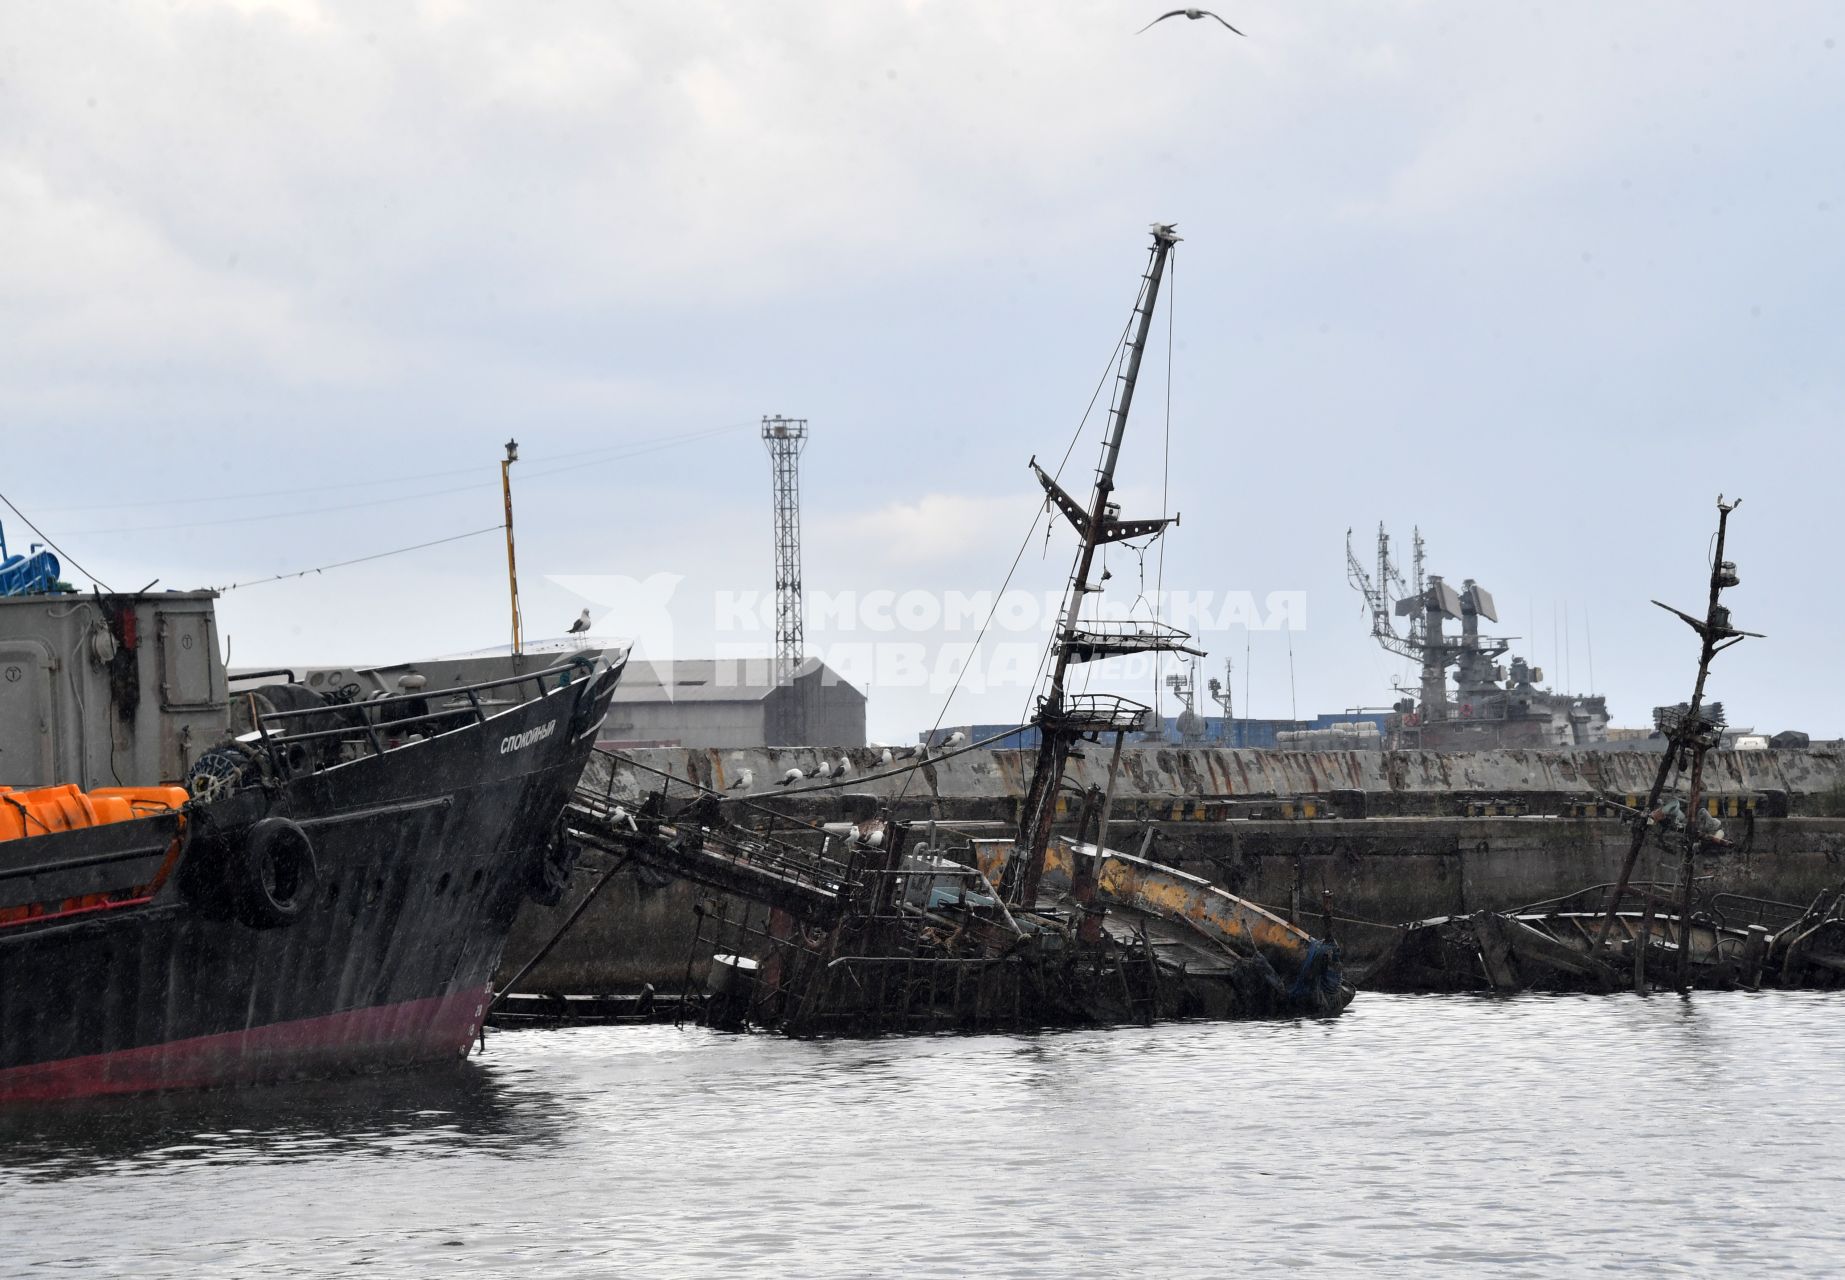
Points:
(1062, 719)
(1689, 738)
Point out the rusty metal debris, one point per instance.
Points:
(1611, 936)
(903, 927)
(894, 934)
(1570, 944)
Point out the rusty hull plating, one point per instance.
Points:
(915, 935)
(904, 937)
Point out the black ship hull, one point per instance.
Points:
(420, 857)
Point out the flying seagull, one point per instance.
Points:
(745, 780)
(1193, 14)
(581, 624)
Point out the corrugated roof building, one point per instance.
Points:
(706, 702)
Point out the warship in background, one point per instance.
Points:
(1491, 703)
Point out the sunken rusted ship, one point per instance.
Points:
(1679, 931)
(876, 925)
(1573, 943)
(278, 882)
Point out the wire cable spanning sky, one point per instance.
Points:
(283, 276)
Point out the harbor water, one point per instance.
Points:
(1536, 1136)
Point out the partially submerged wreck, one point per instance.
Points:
(901, 936)
(1640, 934)
(1731, 941)
(884, 926)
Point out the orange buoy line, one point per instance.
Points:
(48, 810)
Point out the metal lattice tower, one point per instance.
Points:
(785, 438)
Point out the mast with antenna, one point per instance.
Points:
(1064, 719)
(1690, 735)
(1480, 701)
(512, 561)
(1223, 693)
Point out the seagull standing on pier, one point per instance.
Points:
(581, 625)
(845, 767)
(792, 776)
(1193, 14)
(824, 771)
(745, 780)
(885, 759)
(955, 739)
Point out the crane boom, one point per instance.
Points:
(1376, 592)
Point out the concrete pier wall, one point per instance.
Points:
(1208, 772)
(1422, 858)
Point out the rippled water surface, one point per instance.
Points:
(1415, 1135)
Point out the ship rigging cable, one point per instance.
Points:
(341, 564)
(620, 450)
(751, 801)
(613, 454)
(1159, 575)
(62, 554)
(1038, 514)
(1140, 550)
(1112, 366)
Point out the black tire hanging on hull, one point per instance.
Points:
(273, 875)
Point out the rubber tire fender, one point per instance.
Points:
(275, 873)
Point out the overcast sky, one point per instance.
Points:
(280, 277)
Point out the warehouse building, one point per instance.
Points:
(707, 702)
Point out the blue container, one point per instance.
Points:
(35, 574)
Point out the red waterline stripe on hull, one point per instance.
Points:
(434, 1029)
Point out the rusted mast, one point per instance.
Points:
(1717, 635)
(1641, 821)
(1055, 735)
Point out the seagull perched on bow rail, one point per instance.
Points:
(581, 624)
(1193, 14)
